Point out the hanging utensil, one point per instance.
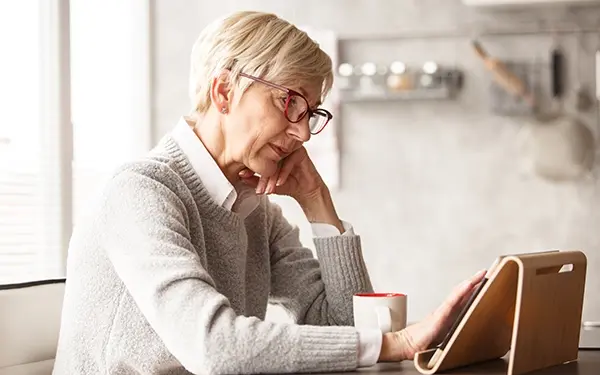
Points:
(598, 76)
(583, 98)
(559, 147)
(557, 71)
(502, 75)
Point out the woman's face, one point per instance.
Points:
(257, 132)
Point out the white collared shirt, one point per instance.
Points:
(243, 200)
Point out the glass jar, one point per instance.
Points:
(345, 78)
(399, 79)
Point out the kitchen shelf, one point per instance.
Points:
(408, 95)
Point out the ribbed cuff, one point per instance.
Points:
(342, 262)
(324, 349)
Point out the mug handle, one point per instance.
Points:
(384, 318)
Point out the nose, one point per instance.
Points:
(300, 130)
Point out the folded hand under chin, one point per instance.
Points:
(298, 178)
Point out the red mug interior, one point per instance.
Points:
(380, 295)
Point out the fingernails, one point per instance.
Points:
(278, 182)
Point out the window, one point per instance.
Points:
(110, 77)
(31, 121)
(51, 163)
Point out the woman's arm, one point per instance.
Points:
(315, 291)
(147, 240)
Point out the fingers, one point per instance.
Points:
(262, 185)
(466, 297)
(289, 166)
(460, 293)
(479, 275)
(251, 181)
(271, 183)
(249, 178)
(289, 163)
(285, 172)
(246, 173)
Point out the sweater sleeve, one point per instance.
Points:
(147, 241)
(317, 292)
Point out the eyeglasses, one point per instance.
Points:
(296, 107)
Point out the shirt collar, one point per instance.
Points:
(213, 179)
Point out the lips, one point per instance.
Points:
(282, 153)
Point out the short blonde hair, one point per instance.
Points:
(258, 44)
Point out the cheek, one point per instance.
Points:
(267, 131)
(246, 136)
(259, 122)
(268, 126)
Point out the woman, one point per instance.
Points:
(172, 271)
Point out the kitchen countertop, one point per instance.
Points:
(588, 363)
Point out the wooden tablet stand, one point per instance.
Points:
(531, 305)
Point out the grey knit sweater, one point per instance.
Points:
(162, 280)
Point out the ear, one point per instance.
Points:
(221, 91)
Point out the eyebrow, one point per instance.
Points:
(301, 91)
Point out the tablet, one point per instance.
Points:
(440, 348)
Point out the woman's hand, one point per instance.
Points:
(406, 343)
(298, 178)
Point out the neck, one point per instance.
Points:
(208, 129)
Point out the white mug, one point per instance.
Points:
(383, 311)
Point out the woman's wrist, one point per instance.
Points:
(318, 208)
(396, 347)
